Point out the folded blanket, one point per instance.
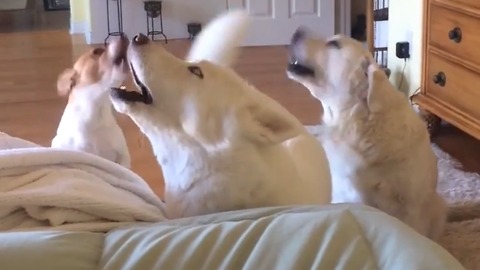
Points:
(45, 188)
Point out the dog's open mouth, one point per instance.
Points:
(300, 69)
(134, 96)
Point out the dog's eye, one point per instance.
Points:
(98, 51)
(334, 44)
(197, 71)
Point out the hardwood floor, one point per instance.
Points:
(33, 17)
(30, 108)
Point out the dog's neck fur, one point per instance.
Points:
(185, 160)
(349, 119)
(337, 109)
(90, 106)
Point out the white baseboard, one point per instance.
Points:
(77, 27)
(88, 38)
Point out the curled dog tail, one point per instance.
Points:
(220, 40)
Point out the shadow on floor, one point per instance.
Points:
(460, 145)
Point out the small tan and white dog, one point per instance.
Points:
(378, 148)
(88, 122)
(221, 143)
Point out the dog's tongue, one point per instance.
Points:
(125, 95)
(129, 96)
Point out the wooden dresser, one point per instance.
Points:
(451, 65)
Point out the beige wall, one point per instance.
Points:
(406, 22)
(79, 16)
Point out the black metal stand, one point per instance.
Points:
(119, 20)
(154, 10)
(193, 30)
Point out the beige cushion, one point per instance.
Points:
(50, 250)
(330, 237)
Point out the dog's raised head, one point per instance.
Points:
(331, 68)
(201, 95)
(97, 69)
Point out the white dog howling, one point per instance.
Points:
(378, 148)
(88, 123)
(222, 144)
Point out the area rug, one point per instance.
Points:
(6, 5)
(461, 190)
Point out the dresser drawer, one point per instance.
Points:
(455, 33)
(453, 84)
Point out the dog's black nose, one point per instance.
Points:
(140, 39)
(299, 34)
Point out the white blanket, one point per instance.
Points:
(45, 188)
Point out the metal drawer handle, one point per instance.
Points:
(440, 78)
(455, 34)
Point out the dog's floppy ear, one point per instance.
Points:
(267, 126)
(360, 78)
(377, 83)
(66, 81)
(370, 80)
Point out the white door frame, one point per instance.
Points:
(345, 20)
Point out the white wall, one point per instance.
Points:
(381, 34)
(176, 14)
(406, 24)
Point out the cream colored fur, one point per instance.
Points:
(207, 46)
(88, 123)
(221, 143)
(378, 148)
